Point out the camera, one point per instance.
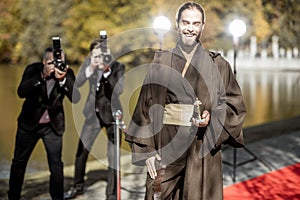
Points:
(57, 54)
(107, 57)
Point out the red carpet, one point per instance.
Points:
(277, 185)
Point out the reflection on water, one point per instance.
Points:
(268, 96)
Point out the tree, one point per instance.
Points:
(87, 18)
(251, 12)
(9, 29)
(40, 20)
(26, 26)
(284, 21)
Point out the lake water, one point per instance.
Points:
(269, 96)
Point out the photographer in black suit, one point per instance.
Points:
(105, 86)
(44, 87)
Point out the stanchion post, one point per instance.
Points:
(119, 125)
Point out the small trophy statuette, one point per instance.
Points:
(197, 111)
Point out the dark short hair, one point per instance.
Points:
(95, 44)
(190, 5)
(46, 51)
(50, 50)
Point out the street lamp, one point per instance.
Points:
(237, 28)
(161, 26)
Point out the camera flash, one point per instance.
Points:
(102, 32)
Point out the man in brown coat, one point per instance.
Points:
(190, 104)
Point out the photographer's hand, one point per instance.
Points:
(48, 69)
(106, 68)
(60, 75)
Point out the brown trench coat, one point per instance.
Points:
(196, 170)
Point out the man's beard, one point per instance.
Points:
(188, 43)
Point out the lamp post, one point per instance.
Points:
(237, 28)
(161, 26)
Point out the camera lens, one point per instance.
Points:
(107, 59)
(62, 66)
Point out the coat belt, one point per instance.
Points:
(178, 114)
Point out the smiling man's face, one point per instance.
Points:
(190, 26)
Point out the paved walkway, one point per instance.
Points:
(273, 153)
(276, 153)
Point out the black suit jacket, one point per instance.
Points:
(106, 100)
(107, 95)
(33, 89)
(89, 108)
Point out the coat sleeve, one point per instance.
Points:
(139, 129)
(147, 120)
(116, 83)
(72, 92)
(232, 133)
(81, 77)
(31, 82)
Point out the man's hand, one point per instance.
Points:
(203, 122)
(48, 69)
(60, 75)
(106, 68)
(150, 163)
